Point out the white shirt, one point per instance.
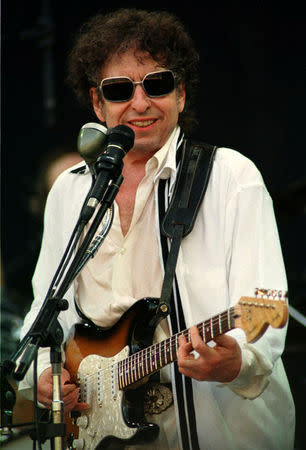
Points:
(233, 248)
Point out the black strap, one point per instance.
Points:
(190, 187)
(188, 194)
(195, 168)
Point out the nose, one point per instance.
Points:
(140, 101)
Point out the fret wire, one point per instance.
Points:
(122, 376)
(129, 371)
(174, 350)
(125, 375)
(137, 364)
(207, 331)
(155, 357)
(142, 363)
(146, 360)
(133, 368)
(203, 332)
(150, 353)
(215, 324)
(134, 372)
(216, 329)
(158, 352)
(147, 356)
(161, 351)
(164, 355)
(226, 318)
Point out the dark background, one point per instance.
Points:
(252, 99)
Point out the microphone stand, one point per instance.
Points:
(47, 332)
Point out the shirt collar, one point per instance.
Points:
(80, 168)
(166, 156)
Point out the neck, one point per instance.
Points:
(154, 358)
(138, 157)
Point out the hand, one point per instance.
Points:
(70, 391)
(219, 363)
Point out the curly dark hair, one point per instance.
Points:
(159, 33)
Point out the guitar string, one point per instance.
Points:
(127, 366)
(214, 326)
(172, 340)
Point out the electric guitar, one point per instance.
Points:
(111, 366)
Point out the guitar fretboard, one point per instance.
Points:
(153, 358)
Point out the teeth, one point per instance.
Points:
(142, 123)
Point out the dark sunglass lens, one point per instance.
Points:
(159, 83)
(117, 90)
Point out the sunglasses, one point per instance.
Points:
(121, 89)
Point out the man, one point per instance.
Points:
(231, 395)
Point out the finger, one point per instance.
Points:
(45, 394)
(65, 376)
(45, 401)
(225, 341)
(184, 347)
(71, 397)
(197, 342)
(71, 400)
(68, 388)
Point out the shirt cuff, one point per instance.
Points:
(253, 377)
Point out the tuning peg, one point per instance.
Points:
(271, 293)
(261, 292)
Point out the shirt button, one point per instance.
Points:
(122, 251)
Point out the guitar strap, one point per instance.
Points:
(195, 161)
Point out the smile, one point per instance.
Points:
(142, 123)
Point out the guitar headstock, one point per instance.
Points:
(268, 307)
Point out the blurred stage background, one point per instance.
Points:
(252, 99)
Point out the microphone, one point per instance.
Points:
(91, 140)
(108, 165)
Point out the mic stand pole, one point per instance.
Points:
(57, 401)
(47, 332)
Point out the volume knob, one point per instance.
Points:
(82, 421)
(78, 444)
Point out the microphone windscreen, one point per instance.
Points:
(90, 141)
(121, 135)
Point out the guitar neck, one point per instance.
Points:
(153, 358)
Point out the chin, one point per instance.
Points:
(146, 146)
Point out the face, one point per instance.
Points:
(151, 119)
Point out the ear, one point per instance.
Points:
(181, 97)
(96, 103)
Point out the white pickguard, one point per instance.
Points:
(104, 418)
